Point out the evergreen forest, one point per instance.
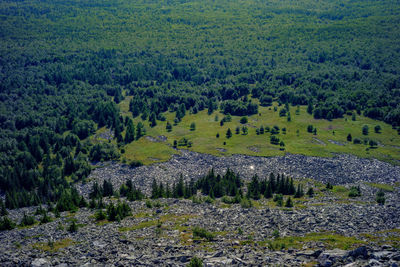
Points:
(71, 71)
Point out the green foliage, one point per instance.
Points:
(380, 197)
(135, 164)
(118, 212)
(27, 220)
(274, 140)
(329, 186)
(275, 233)
(378, 129)
(246, 203)
(74, 87)
(202, 233)
(45, 219)
(310, 192)
(349, 138)
(355, 191)
(217, 186)
(6, 224)
(228, 133)
(73, 227)
(3, 209)
(289, 203)
(193, 126)
(100, 215)
(356, 141)
(130, 191)
(104, 151)
(130, 132)
(365, 130)
(243, 120)
(278, 198)
(195, 262)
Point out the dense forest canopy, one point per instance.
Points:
(64, 66)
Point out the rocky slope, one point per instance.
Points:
(328, 229)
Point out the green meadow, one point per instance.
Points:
(331, 137)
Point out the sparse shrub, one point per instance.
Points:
(275, 233)
(73, 227)
(27, 220)
(202, 233)
(245, 203)
(135, 164)
(6, 224)
(240, 231)
(289, 202)
(45, 219)
(373, 143)
(278, 198)
(355, 191)
(349, 138)
(195, 262)
(365, 130)
(100, 215)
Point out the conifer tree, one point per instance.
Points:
(228, 133)
(130, 132)
(289, 203)
(3, 210)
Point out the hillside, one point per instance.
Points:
(126, 125)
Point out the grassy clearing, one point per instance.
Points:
(297, 140)
(53, 247)
(384, 187)
(329, 241)
(176, 222)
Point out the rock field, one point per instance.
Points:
(327, 230)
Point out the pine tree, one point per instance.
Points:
(152, 119)
(168, 127)
(289, 203)
(3, 210)
(349, 138)
(228, 133)
(268, 191)
(130, 132)
(310, 108)
(237, 130)
(107, 188)
(291, 189)
(140, 130)
(310, 192)
(380, 197)
(154, 190)
(299, 192)
(73, 227)
(272, 182)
